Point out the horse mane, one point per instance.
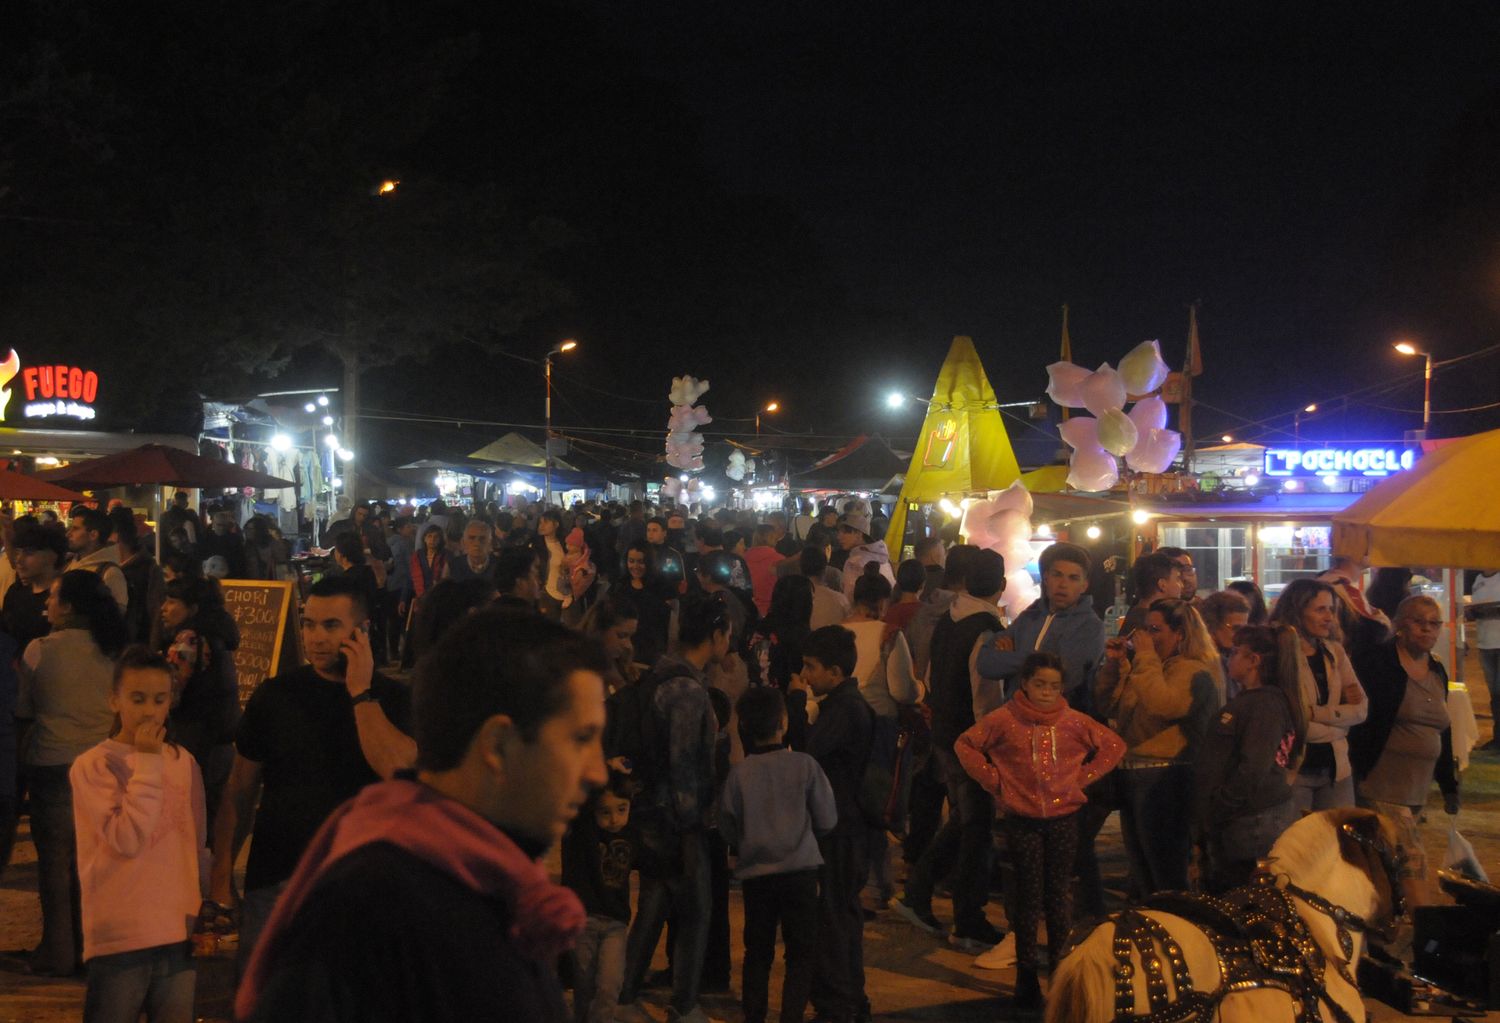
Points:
(1311, 852)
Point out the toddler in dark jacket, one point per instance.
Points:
(597, 857)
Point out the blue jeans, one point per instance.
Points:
(1316, 790)
(57, 867)
(686, 897)
(1154, 805)
(598, 970)
(1236, 845)
(255, 912)
(157, 981)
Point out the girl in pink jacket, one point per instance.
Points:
(142, 853)
(1036, 755)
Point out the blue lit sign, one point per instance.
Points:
(1330, 461)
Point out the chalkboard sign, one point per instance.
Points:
(261, 609)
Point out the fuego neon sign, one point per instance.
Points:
(57, 390)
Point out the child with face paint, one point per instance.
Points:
(138, 814)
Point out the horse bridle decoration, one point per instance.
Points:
(1259, 940)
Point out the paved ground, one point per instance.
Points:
(910, 977)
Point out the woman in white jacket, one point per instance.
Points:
(1331, 692)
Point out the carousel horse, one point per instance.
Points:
(1283, 949)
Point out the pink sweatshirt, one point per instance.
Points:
(142, 846)
(1038, 762)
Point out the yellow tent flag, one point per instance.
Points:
(963, 447)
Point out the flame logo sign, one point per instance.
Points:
(8, 370)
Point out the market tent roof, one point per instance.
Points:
(865, 463)
(17, 486)
(561, 478)
(159, 465)
(1445, 511)
(963, 447)
(515, 450)
(74, 444)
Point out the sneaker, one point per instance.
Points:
(1001, 957)
(977, 937)
(696, 1016)
(919, 918)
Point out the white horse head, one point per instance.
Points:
(1340, 868)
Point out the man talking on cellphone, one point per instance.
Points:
(308, 740)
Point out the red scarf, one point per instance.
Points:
(1029, 713)
(546, 918)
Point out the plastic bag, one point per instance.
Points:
(1460, 855)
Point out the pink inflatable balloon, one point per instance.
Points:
(1009, 529)
(1080, 432)
(1102, 391)
(1063, 382)
(1092, 469)
(1015, 496)
(977, 523)
(1149, 414)
(1117, 434)
(1156, 451)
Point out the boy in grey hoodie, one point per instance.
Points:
(775, 804)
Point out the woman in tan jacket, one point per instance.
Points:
(1159, 687)
(1331, 692)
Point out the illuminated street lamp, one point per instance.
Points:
(1297, 422)
(1407, 348)
(557, 349)
(774, 406)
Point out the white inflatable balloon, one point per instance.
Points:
(1092, 469)
(1080, 432)
(1117, 434)
(1156, 451)
(1143, 370)
(1063, 382)
(1149, 414)
(1103, 390)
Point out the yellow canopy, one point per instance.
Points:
(1445, 511)
(963, 447)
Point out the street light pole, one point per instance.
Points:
(1407, 348)
(772, 407)
(562, 346)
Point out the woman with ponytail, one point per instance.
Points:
(1244, 774)
(66, 680)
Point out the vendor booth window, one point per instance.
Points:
(1220, 552)
(1292, 550)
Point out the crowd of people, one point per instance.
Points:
(693, 701)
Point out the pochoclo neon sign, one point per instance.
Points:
(1331, 461)
(56, 390)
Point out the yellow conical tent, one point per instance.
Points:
(963, 447)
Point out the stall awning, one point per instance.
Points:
(562, 479)
(1272, 506)
(865, 463)
(75, 444)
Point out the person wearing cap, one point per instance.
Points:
(862, 549)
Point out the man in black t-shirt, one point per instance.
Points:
(308, 740)
(40, 552)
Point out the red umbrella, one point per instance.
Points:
(17, 486)
(161, 466)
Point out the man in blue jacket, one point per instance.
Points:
(1062, 623)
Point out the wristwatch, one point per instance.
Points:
(368, 696)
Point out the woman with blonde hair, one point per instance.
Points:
(1159, 687)
(1331, 692)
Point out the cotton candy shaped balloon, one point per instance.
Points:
(1155, 451)
(1143, 371)
(1064, 381)
(1102, 391)
(1149, 414)
(1080, 432)
(1021, 591)
(1117, 433)
(976, 524)
(735, 469)
(686, 390)
(1092, 469)
(1008, 529)
(1015, 497)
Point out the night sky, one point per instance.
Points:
(800, 202)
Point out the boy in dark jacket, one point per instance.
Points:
(839, 740)
(597, 857)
